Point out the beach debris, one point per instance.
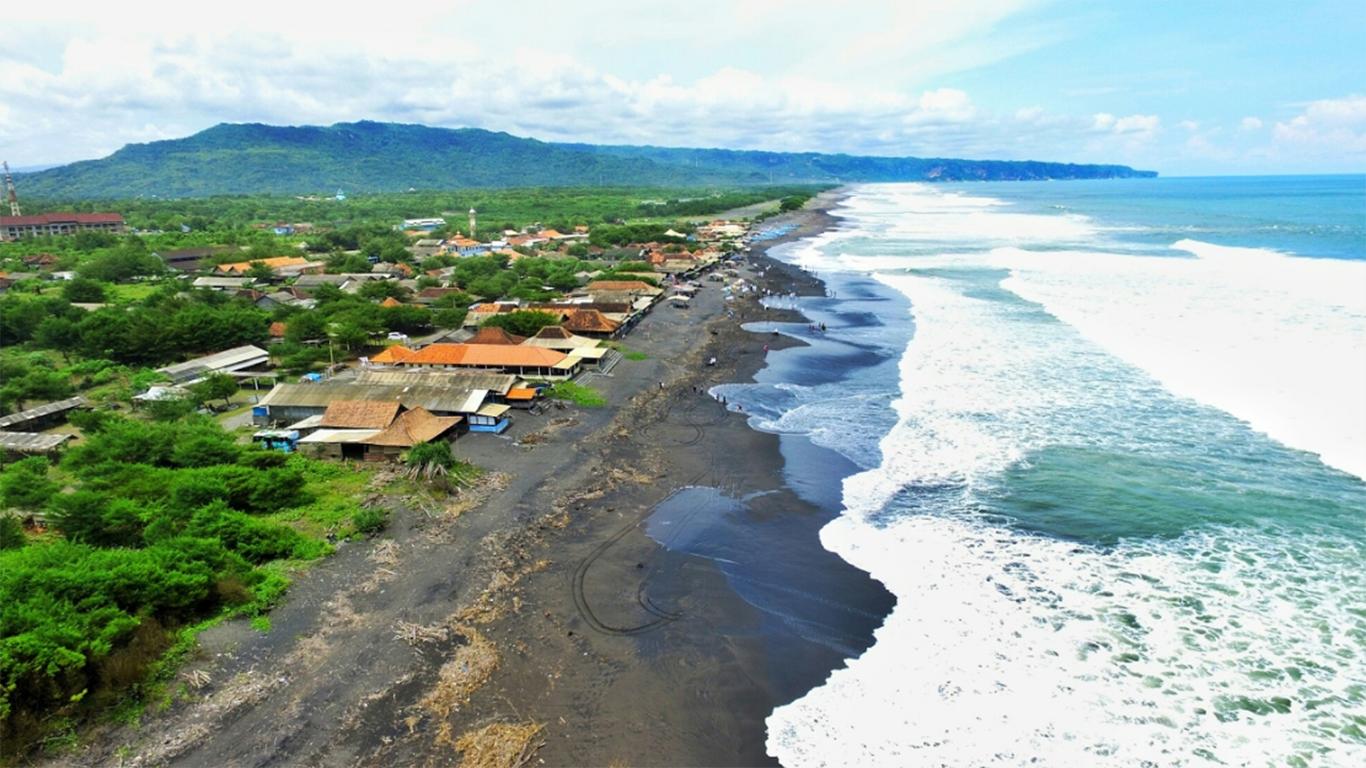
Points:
(468, 668)
(500, 745)
(197, 679)
(417, 634)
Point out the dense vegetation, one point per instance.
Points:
(162, 525)
(229, 219)
(380, 157)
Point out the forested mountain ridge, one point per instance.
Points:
(252, 158)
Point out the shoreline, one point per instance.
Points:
(622, 650)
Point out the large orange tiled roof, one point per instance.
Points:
(395, 354)
(276, 262)
(486, 356)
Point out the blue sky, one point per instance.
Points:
(1185, 88)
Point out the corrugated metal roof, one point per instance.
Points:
(30, 442)
(438, 399)
(494, 382)
(47, 409)
(340, 436)
(228, 360)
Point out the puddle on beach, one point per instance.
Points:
(772, 558)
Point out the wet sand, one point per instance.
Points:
(548, 598)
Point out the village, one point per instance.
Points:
(379, 396)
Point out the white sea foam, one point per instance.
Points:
(1007, 648)
(1275, 340)
(1015, 650)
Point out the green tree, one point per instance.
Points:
(25, 484)
(522, 323)
(305, 326)
(83, 290)
(449, 318)
(382, 289)
(260, 272)
(57, 333)
(348, 334)
(215, 386)
(11, 532)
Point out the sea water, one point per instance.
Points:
(1112, 438)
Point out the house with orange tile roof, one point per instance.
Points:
(390, 301)
(494, 335)
(392, 355)
(591, 323)
(411, 428)
(360, 414)
(464, 246)
(282, 266)
(514, 359)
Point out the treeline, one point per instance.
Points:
(166, 327)
(721, 201)
(160, 525)
(498, 209)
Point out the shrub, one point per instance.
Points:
(25, 484)
(11, 532)
(431, 454)
(369, 520)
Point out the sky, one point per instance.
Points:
(1184, 88)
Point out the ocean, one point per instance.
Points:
(1108, 441)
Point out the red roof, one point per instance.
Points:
(395, 354)
(590, 321)
(486, 356)
(494, 335)
(277, 329)
(42, 219)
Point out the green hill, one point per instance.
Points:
(386, 157)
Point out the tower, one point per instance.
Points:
(14, 196)
(471, 223)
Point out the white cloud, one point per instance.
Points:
(1326, 127)
(1189, 125)
(1251, 124)
(1135, 127)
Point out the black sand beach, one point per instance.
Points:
(637, 581)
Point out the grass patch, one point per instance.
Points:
(261, 624)
(627, 352)
(334, 491)
(129, 292)
(578, 394)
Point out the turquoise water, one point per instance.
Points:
(1112, 436)
(1315, 216)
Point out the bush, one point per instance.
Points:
(431, 454)
(523, 323)
(255, 540)
(11, 532)
(25, 484)
(370, 520)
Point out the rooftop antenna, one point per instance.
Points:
(10, 193)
